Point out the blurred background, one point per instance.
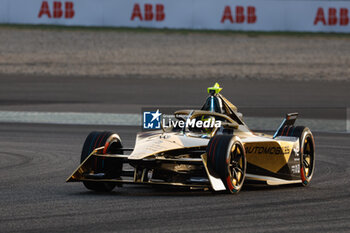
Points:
(71, 67)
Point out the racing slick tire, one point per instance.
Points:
(112, 144)
(307, 153)
(226, 156)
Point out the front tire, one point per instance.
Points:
(112, 144)
(226, 156)
(307, 153)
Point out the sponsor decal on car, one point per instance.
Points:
(267, 150)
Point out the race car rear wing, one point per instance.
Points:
(288, 121)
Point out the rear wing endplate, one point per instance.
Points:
(289, 120)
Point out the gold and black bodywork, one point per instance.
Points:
(219, 159)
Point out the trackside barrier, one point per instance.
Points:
(245, 15)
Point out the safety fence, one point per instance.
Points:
(244, 15)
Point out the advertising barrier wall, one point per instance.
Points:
(245, 15)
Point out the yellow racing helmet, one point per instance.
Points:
(208, 121)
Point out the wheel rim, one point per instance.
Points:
(236, 166)
(308, 157)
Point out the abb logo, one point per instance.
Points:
(333, 18)
(249, 17)
(149, 13)
(57, 11)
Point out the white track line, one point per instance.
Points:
(126, 119)
(348, 119)
(73, 118)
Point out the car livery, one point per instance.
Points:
(220, 157)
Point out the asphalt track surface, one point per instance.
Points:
(36, 159)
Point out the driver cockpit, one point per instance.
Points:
(217, 103)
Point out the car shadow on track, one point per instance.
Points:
(144, 191)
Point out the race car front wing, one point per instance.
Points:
(141, 171)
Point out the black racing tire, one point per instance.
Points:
(307, 153)
(227, 158)
(112, 144)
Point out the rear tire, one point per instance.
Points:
(226, 156)
(307, 153)
(112, 144)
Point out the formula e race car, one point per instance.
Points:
(211, 148)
